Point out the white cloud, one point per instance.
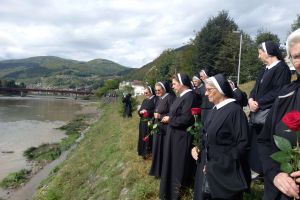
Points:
(130, 32)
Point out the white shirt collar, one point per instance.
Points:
(151, 97)
(234, 89)
(164, 95)
(273, 64)
(223, 103)
(184, 92)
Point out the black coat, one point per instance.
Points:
(127, 106)
(162, 107)
(289, 100)
(177, 162)
(226, 146)
(144, 148)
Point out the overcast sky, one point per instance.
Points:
(129, 32)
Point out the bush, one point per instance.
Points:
(15, 179)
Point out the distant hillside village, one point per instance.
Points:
(137, 86)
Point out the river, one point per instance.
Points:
(30, 121)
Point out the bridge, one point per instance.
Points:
(61, 91)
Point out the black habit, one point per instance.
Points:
(178, 163)
(144, 148)
(226, 145)
(206, 105)
(288, 100)
(162, 107)
(127, 106)
(266, 89)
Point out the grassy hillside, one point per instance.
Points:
(53, 71)
(105, 165)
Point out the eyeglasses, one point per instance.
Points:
(157, 90)
(146, 92)
(209, 89)
(296, 56)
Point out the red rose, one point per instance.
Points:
(145, 114)
(292, 120)
(196, 111)
(145, 139)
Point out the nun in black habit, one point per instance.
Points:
(165, 98)
(197, 89)
(206, 106)
(177, 169)
(272, 77)
(223, 171)
(279, 185)
(146, 113)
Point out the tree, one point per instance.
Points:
(209, 40)
(109, 84)
(263, 35)
(296, 24)
(228, 55)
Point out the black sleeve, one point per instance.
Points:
(280, 79)
(253, 91)
(241, 134)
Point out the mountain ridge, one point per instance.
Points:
(31, 70)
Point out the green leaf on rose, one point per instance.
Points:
(281, 157)
(286, 167)
(189, 129)
(154, 126)
(282, 143)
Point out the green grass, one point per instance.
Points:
(44, 152)
(105, 165)
(15, 179)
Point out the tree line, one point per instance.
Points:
(214, 48)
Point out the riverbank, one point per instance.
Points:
(40, 170)
(105, 165)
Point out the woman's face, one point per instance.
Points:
(196, 82)
(263, 56)
(177, 86)
(147, 93)
(159, 91)
(213, 94)
(295, 55)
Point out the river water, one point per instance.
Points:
(30, 121)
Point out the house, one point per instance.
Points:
(138, 88)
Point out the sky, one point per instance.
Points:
(129, 32)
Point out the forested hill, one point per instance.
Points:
(215, 48)
(55, 69)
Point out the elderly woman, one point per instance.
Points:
(277, 184)
(223, 171)
(165, 99)
(177, 162)
(146, 112)
(272, 77)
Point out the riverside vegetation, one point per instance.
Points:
(46, 153)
